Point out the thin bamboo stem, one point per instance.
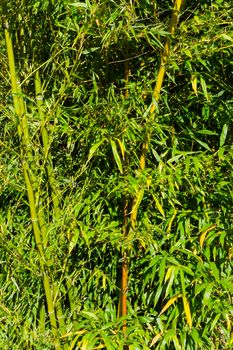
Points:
(156, 94)
(52, 184)
(27, 157)
(46, 145)
(124, 266)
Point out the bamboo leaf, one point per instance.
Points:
(194, 83)
(203, 144)
(171, 221)
(169, 272)
(139, 197)
(116, 156)
(93, 149)
(204, 233)
(223, 135)
(206, 132)
(74, 240)
(207, 294)
(176, 343)
(171, 280)
(187, 311)
(90, 50)
(159, 206)
(79, 4)
(226, 37)
(169, 303)
(204, 89)
(214, 271)
(122, 148)
(162, 270)
(155, 339)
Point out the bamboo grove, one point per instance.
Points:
(116, 175)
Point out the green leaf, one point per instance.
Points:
(90, 50)
(223, 135)
(207, 294)
(89, 314)
(214, 270)
(79, 4)
(162, 270)
(116, 156)
(159, 206)
(94, 149)
(203, 144)
(204, 89)
(227, 37)
(206, 132)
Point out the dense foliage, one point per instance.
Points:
(97, 62)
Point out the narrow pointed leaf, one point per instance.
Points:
(159, 206)
(187, 311)
(116, 156)
(169, 303)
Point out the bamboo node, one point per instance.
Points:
(34, 219)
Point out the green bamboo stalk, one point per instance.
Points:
(46, 144)
(39, 244)
(52, 184)
(42, 318)
(25, 142)
(21, 113)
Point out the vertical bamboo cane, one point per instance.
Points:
(164, 59)
(124, 266)
(24, 135)
(46, 145)
(142, 162)
(52, 184)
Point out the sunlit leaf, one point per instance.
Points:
(122, 148)
(194, 83)
(204, 233)
(159, 206)
(187, 311)
(156, 338)
(169, 303)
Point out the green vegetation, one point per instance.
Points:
(116, 181)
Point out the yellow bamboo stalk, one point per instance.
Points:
(156, 94)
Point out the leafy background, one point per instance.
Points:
(181, 251)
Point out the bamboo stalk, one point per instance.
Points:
(53, 187)
(124, 266)
(156, 94)
(26, 158)
(21, 113)
(46, 145)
